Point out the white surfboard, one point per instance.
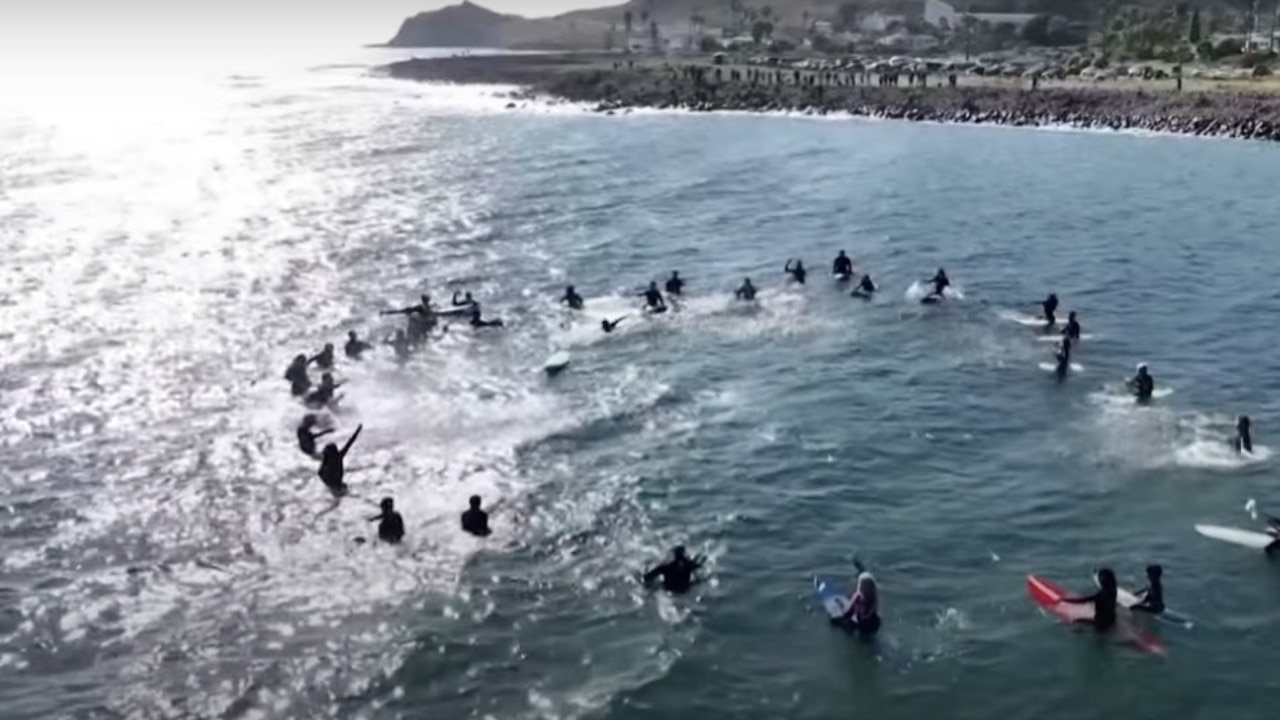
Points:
(1127, 600)
(1055, 337)
(1246, 538)
(1053, 367)
(556, 363)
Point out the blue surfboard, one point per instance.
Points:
(833, 602)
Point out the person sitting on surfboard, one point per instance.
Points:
(296, 374)
(1142, 384)
(332, 470)
(1103, 601)
(306, 438)
(842, 266)
(675, 286)
(477, 322)
(1072, 330)
(1244, 438)
(746, 292)
(866, 286)
(610, 325)
(475, 520)
(863, 613)
(653, 298)
(678, 573)
(390, 524)
(940, 282)
(1050, 307)
(796, 271)
(355, 347)
(572, 299)
(1152, 596)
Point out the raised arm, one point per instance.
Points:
(352, 440)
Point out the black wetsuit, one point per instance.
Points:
(573, 300)
(654, 300)
(1152, 599)
(675, 286)
(866, 286)
(355, 348)
(746, 292)
(940, 283)
(307, 439)
(299, 380)
(476, 522)
(391, 527)
(1143, 387)
(842, 266)
(1072, 330)
(1050, 307)
(1104, 609)
(677, 574)
(797, 272)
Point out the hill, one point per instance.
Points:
(469, 25)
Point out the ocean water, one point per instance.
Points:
(166, 552)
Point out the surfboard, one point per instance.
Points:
(841, 277)
(1128, 600)
(1053, 367)
(1050, 597)
(1058, 338)
(862, 294)
(1236, 536)
(556, 363)
(833, 602)
(930, 300)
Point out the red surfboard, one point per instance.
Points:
(1049, 596)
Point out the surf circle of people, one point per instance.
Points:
(1110, 609)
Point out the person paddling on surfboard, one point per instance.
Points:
(678, 573)
(653, 298)
(866, 286)
(332, 469)
(1152, 596)
(610, 325)
(842, 267)
(1103, 601)
(796, 271)
(675, 286)
(1072, 330)
(390, 524)
(863, 613)
(572, 299)
(1244, 438)
(746, 292)
(1142, 384)
(1049, 306)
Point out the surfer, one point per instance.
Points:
(746, 292)
(796, 271)
(863, 614)
(1142, 385)
(1050, 307)
(842, 267)
(400, 343)
(323, 395)
(465, 301)
(678, 573)
(296, 374)
(940, 283)
(1072, 330)
(332, 469)
(306, 438)
(1244, 437)
(653, 298)
(866, 286)
(1103, 601)
(475, 520)
(423, 308)
(1064, 359)
(390, 524)
(572, 299)
(1152, 596)
(610, 325)
(675, 286)
(477, 322)
(324, 358)
(355, 347)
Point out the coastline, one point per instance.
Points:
(611, 84)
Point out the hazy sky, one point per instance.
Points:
(174, 23)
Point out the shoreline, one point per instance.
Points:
(609, 84)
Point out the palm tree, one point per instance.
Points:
(628, 20)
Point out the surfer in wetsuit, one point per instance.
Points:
(1103, 601)
(842, 266)
(866, 286)
(323, 395)
(1152, 596)
(863, 614)
(296, 374)
(1142, 385)
(477, 322)
(324, 358)
(306, 438)
(940, 283)
(610, 325)
(746, 292)
(796, 271)
(390, 524)
(464, 301)
(355, 347)
(400, 343)
(332, 469)
(675, 285)
(572, 299)
(677, 573)
(1064, 359)
(1244, 437)
(475, 520)
(1049, 306)
(653, 298)
(1072, 329)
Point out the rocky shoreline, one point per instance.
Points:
(613, 85)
